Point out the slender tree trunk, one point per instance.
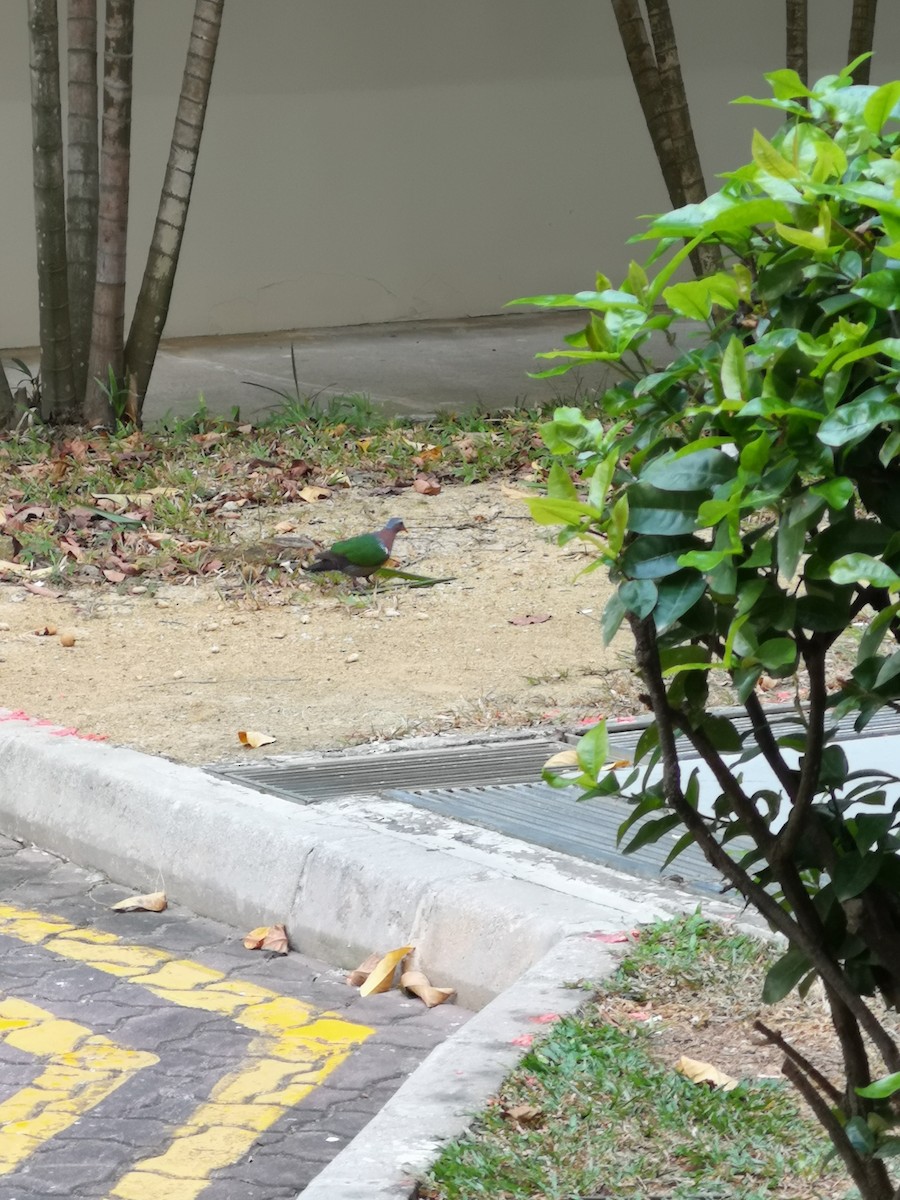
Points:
(862, 36)
(159, 274)
(106, 360)
(82, 189)
(7, 404)
(796, 20)
(685, 156)
(652, 53)
(50, 213)
(645, 74)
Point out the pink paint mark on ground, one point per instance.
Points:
(546, 1018)
(524, 1039)
(51, 726)
(622, 935)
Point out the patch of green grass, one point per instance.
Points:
(604, 1118)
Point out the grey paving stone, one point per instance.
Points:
(196, 1048)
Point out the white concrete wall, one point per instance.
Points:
(376, 160)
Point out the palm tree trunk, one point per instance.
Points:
(796, 23)
(159, 274)
(82, 180)
(7, 404)
(645, 74)
(862, 36)
(652, 54)
(106, 360)
(57, 386)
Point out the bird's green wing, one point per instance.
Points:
(363, 551)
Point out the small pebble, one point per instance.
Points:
(422, 616)
(279, 635)
(391, 612)
(163, 604)
(305, 619)
(139, 590)
(178, 674)
(4, 627)
(214, 649)
(352, 658)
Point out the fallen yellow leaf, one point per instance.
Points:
(151, 902)
(701, 1072)
(418, 983)
(255, 938)
(381, 978)
(312, 492)
(565, 758)
(254, 739)
(358, 977)
(141, 499)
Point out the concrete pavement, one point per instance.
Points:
(150, 1056)
(507, 925)
(409, 367)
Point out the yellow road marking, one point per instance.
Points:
(295, 1049)
(82, 1069)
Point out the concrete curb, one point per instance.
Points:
(346, 876)
(437, 1102)
(501, 921)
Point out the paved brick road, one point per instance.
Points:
(150, 1056)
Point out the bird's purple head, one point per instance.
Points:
(394, 526)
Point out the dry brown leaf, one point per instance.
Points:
(358, 977)
(114, 576)
(285, 527)
(141, 499)
(381, 977)
(426, 485)
(151, 902)
(254, 739)
(701, 1072)
(312, 492)
(525, 1114)
(418, 983)
(255, 938)
(47, 631)
(276, 940)
(21, 569)
(530, 619)
(565, 758)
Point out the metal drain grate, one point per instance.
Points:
(543, 816)
(331, 778)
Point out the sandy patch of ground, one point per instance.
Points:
(179, 670)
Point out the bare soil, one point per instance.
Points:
(180, 668)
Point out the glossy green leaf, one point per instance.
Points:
(852, 422)
(854, 873)
(653, 557)
(639, 596)
(655, 510)
(559, 483)
(593, 750)
(883, 105)
(652, 831)
(888, 1085)
(881, 288)
(547, 511)
(689, 472)
(784, 975)
(677, 595)
(863, 568)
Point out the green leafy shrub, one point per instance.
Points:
(745, 499)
